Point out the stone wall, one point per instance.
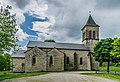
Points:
(40, 64)
(58, 60)
(95, 64)
(90, 43)
(18, 64)
(85, 59)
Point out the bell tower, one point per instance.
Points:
(90, 33)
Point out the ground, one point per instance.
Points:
(61, 77)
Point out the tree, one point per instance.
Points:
(7, 36)
(102, 51)
(50, 40)
(5, 62)
(116, 49)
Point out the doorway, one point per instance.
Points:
(75, 61)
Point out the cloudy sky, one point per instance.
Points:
(62, 20)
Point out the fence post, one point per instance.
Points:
(115, 72)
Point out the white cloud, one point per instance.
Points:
(21, 35)
(66, 17)
(23, 48)
(42, 29)
(36, 9)
(33, 8)
(109, 22)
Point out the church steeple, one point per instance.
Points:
(91, 22)
(90, 33)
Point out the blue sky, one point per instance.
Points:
(61, 20)
(27, 25)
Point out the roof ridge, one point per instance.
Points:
(55, 42)
(69, 43)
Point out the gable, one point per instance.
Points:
(55, 51)
(34, 52)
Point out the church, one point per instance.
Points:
(53, 56)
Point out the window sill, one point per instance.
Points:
(51, 65)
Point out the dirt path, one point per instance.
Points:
(61, 77)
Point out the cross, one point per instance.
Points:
(90, 12)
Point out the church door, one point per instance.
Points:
(75, 61)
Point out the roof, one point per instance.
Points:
(56, 45)
(90, 22)
(19, 53)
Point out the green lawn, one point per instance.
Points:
(105, 75)
(110, 75)
(112, 68)
(7, 75)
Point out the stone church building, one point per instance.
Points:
(53, 56)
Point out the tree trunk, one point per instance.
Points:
(108, 65)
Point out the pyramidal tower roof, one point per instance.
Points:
(91, 22)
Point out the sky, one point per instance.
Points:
(62, 20)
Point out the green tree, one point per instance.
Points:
(102, 51)
(7, 36)
(116, 49)
(5, 62)
(50, 40)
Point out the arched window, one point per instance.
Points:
(81, 61)
(67, 60)
(90, 34)
(33, 60)
(51, 60)
(93, 34)
(23, 65)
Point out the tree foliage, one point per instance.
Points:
(116, 49)
(7, 36)
(102, 50)
(5, 62)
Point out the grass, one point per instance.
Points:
(112, 68)
(110, 75)
(7, 75)
(105, 75)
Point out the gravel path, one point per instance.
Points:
(61, 77)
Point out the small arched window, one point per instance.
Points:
(90, 34)
(33, 60)
(23, 65)
(81, 61)
(67, 60)
(51, 60)
(93, 34)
